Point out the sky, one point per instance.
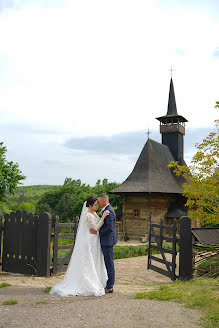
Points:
(82, 81)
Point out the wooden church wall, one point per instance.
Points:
(136, 227)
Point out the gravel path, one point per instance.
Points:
(38, 309)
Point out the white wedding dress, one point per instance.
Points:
(86, 274)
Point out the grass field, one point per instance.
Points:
(120, 252)
(200, 293)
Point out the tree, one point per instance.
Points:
(67, 200)
(202, 186)
(64, 207)
(10, 175)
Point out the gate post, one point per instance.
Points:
(149, 242)
(55, 245)
(76, 227)
(185, 249)
(0, 235)
(43, 244)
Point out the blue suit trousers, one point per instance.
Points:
(108, 259)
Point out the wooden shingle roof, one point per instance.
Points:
(151, 172)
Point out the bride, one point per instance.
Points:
(86, 274)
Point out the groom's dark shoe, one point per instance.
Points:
(108, 290)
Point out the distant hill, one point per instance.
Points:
(25, 193)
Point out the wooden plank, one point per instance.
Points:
(66, 235)
(43, 244)
(160, 249)
(175, 252)
(168, 239)
(136, 200)
(76, 226)
(67, 225)
(165, 250)
(55, 246)
(161, 260)
(63, 260)
(158, 205)
(136, 231)
(161, 233)
(159, 238)
(136, 222)
(159, 270)
(185, 249)
(136, 228)
(20, 250)
(65, 246)
(149, 241)
(167, 227)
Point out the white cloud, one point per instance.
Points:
(93, 68)
(75, 63)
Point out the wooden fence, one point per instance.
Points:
(169, 271)
(26, 243)
(59, 263)
(188, 239)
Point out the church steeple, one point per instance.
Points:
(172, 127)
(171, 110)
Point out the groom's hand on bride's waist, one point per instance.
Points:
(94, 232)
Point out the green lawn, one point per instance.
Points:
(200, 293)
(120, 252)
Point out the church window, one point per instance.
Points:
(136, 212)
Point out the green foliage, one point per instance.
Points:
(202, 186)
(66, 241)
(47, 289)
(201, 293)
(120, 252)
(26, 197)
(10, 302)
(10, 175)
(4, 284)
(67, 200)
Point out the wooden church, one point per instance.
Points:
(152, 186)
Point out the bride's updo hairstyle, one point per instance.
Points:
(90, 201)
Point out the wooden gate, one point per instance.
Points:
(59, 263)
(159, 239)
(26, 243)
(0, 237)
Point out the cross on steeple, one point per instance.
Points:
(148, 133)
(171, 70)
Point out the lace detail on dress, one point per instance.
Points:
(94, 221)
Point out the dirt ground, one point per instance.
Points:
(36, 308)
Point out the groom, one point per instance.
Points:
(108, 238)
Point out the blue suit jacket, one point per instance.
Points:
(108, 230)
